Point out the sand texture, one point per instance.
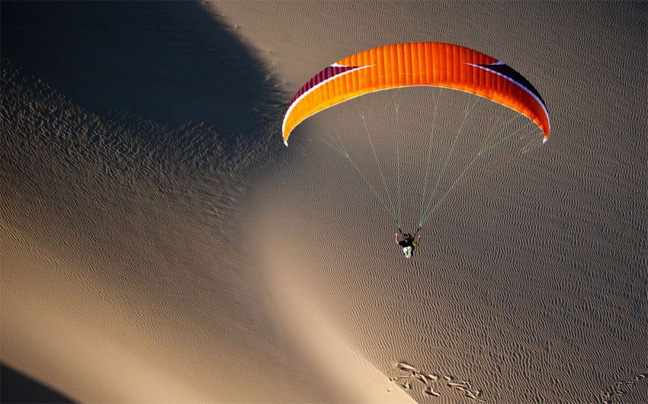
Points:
(158, 243)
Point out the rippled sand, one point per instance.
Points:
(159, 244)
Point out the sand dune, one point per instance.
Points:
(159, 244)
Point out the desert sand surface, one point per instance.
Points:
(158, 243)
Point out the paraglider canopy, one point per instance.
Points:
(416, 64)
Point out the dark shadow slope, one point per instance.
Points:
(163, 61)
(18, 388)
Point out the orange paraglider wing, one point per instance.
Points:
(416, 64)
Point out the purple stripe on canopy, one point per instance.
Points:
(325, 74)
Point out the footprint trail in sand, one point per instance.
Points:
(620, 388)
(432, 384)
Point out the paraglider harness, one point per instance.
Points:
(408, 243)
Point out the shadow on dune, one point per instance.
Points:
(18, 388)
(125, 107)
(126, 130)
(169, 62)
